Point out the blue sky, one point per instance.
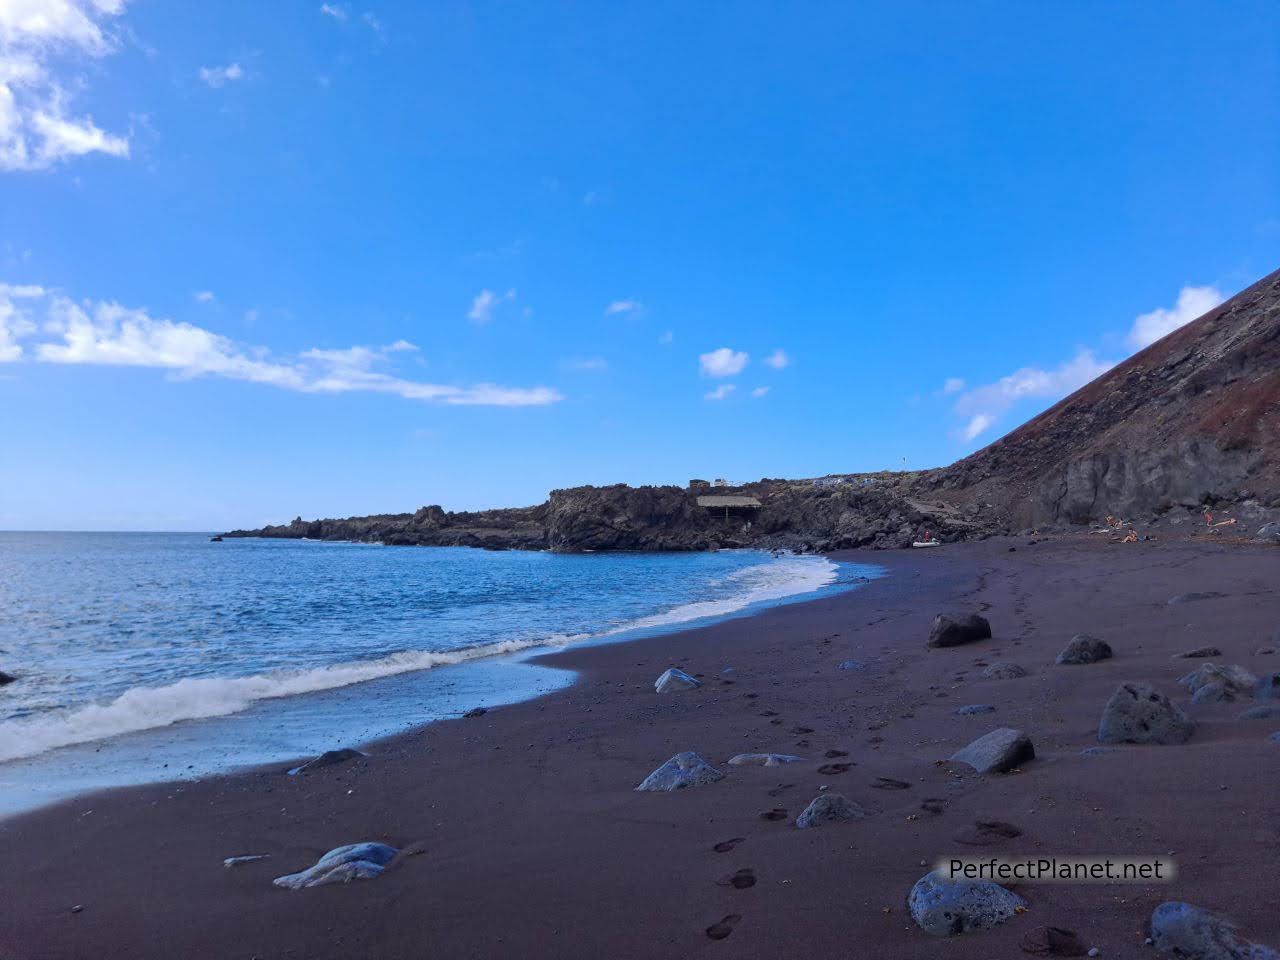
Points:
(268, 259)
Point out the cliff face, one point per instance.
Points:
(1194, 419)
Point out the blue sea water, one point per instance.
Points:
(158, 656)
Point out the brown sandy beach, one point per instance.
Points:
(523, 836)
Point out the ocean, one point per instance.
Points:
(144, 657)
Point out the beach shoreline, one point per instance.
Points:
(522, 834)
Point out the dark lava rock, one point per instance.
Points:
(329, 758)
(1138, 713)
(947, 632)
(475, 712)
(7, 678)
(1084, 649)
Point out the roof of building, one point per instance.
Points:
(726, 500)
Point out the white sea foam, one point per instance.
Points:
(145, 708)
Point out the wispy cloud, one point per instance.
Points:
(720, 392)
(666, 338)
(759, 392)
(982, 407)
(204, 296)
(626, 307)
(37, 128)
(588, 363)
(485, 303)
(104, 333)
(724, 362)
(778, 359)
(333, 10)
(1192, 302)
(220, 76)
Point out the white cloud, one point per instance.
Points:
(204, 296)
(723, 362)
(485, 303)
(218, 76)
(953, 385)
(331, 10)
(666, 338)
(588, 363)
(1192, 302)
(778, 359)
(759, 392)
(15, 320)
(630, 307)
(108, 334)
(36, 127)
(720, 392)
(984, 405)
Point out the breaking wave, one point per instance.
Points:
(145, 708)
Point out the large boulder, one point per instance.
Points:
(1268, 686)
(1211, 682)
(683, 770)
(947, 632)
(1084, 649)
(829, 808)
(1188, 932)
(1268, 533)
(356, 861)
(675, 680)
(997, 751)
(944, 907)
(1138, 713)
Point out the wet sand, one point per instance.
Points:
(524, 837)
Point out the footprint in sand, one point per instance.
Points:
(832, 754)
(802, 744)
(780, 789)
(984, 833)
(724, 846)
(741, 880)
(802, 730)
(776, 721)
(888, 783)
(718, 931)
(830, 769)
(933, 805)
(774, 815)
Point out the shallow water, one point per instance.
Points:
(157, 656)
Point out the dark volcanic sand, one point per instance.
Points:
(533, 843)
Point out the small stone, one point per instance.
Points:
(1004, 670)
(829, 808)
(355, 861)
(1084, 649)
(675, 680)
(947, 632)
(945, 907)
(474, 712)
(246, 858)
(762, 759)
(683, 770)
(851, 665)
(1195, 596)
(1094, 951)
(999, 751)
(1198, 653)
(971, 709)
(329, 758)
(1138, 713)
(1096, 751)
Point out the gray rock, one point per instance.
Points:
(1213, 693)
(829, 808)
(762, 759)
(1265, 711)
(1084, 649)
(674, 681)
(947, 632)
(974, 708)
(945, 907)
(1138, 713)
(1233, 679)
(1198, 653)
(1188, 932)
(1194, 596)
(683, 770)
(329, 758)
(1268, 533)
(1268, 686)
(997, 751)
(851, 665)
(242, 860)
(1004, 670)
(356, 861)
